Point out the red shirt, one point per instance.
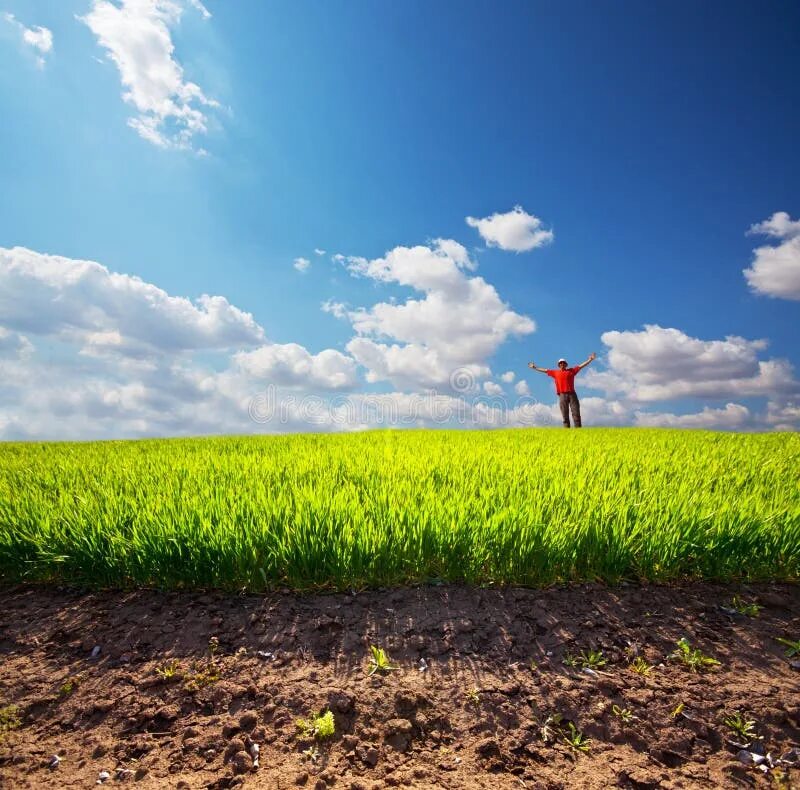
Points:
(565, 379)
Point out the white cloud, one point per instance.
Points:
(12, 344)
(301, 264)
(780, 225)
(291, 365)
(137, 35)
(784, 415)
(411, 366)
(83, 302)
(492, 388)
(775, 270)
(515, 230)
(38, 38)
(196, 4)
(318, 251)
(459, 324)
(522, 388)
(733, 416)
(108, 355)
(336, 309)
(508, 376)
(657, 364)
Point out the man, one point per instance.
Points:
(565, 388)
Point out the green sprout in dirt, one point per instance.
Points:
(319, 727)
(473, 696)
(202, 677)
(744, 728)
(9, 719)
(625, 715)
(169, 670)
(69, 685)
(575, 739)
(587, 659)
(792, 648)
(748, 608)
(640, 667)
(312, 753)
(692, 658)
(593, 659)
(379, 661)
(677, 710)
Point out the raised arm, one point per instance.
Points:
(533, 367)
(592, 357)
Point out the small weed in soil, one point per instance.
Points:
(69, 685)
(640, 667)
(312, 753)
(169, 670)
(9, 719)
(691, 657)
(586, 659)
(748, 608)
(792, 647)
(473, 696)
(575, 739)
(740, 726)
(202, 677)
(320, 726)
(625, 715)
(379, 661)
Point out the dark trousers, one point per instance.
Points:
(567, 401)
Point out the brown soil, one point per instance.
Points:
(408, 728)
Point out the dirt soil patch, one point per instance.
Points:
(189, 690)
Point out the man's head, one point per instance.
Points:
(562, 363)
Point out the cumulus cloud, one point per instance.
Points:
(733, 416)
(291, 365)
(125, 358)
(657, 363)
(522, 388)
(459, 324)
(784, 415)
(492, 388)
(137, 36)
(775, 270)
(336, 309)
(82, 301)
(301, 264)
(508, 376)
(14, 345)
(318, 251)
(516, 230)
(40, 39)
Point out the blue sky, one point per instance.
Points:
(648, 138)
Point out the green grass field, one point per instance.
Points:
(523, 506)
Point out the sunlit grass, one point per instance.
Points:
(525, 506)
